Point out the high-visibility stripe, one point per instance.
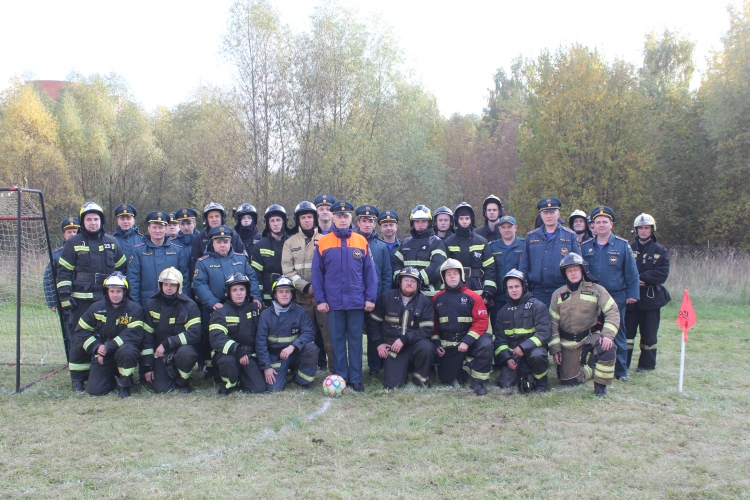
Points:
(278, 340)
(88, 342)
(589, 298)
(85, 325)
(645, 347)
(443, 319)
(490, 283)
(136, 324)
(232, 319)
(536, 341)
(185, 375)
(554, 341)
(67, 265)
(605, 368)
(420, 378)
(426, 324)
(100, 317)
(520, 331)
(147, 328)
(304, 265)
(216, 326)
(480, 375)
(425, 278)
(399, 256)
(452, 248)
(464, 319)
(227, 383)
(417, 263)
(183, 338)
(155, 314)
(609, 326)
(126, 372)
(147, 352)
(569, 344)
(64, 283)
(304, 376)
(172, 321)
(476, 248)
(540, 375)
(228, 346)
(437, 251)
(192, 322)
(447, 343)
(267, 296)
(376, 317)
(392, 319)
(257, 266)
(65, 303)
(121, 262)
(118, 341)
(631, 343)
(276, 365)
(267, 252)
(79, 367)
(501, 349)
(83, 295)
(608, 305)
(475, 335)
(554, 314)
(81, 248)
(488, 262)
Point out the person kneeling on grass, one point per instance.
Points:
(522, 330)
(232, 332)
(110, 331)
(174, 328)
(578, 350)
(400, 328)
(286, 340)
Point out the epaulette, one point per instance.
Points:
(622, 239)
(586, 241)
(202, 258)
(58, 249)
(532, 231)
(143, 243)
(175, 244)
(569, 230)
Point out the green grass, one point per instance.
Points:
(645, 441)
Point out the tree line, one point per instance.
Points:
(335, 109)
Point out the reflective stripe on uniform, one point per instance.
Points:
(121, 262)
(183, 338)
(147, 328)
(64, 283)
(185, 375)
(608, 305)
(67, 265)
(475, 335)
(588, 298)
(100, 317)
(257, 266)
(147, 352)
(126, 372)
(480, 375)
(540, 375)
(554, 314)
(304, 376)
(83, 295)
(118, 341)
(228, 346)
(376, 317)
(85, 325)
(155, 315)
(192, 322)
(464, 319)
(501, 349)
(232, 319)
(267, 252)
(279, 340)
(88, 342)
(520, 331)
(609, 326)
(216, 326)
(426, 324)
(79, 367)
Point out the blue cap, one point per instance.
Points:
(603, 210)
(70, 222)
(324, 199)
(186, 214)
(173, 219)
(507, 218)
(342, 206)
(157, 218)
(125, 209)
(548, 204)
(221, 231)
(367, 211)
(388, 216)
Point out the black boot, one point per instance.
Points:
(478, 387)
(78, 385)
(124, 392)
(600, 390)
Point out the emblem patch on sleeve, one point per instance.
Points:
(357, 253)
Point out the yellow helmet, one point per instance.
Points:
(171, 275)
(645, 220)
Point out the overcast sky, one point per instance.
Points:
(166, 48)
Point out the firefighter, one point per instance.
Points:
(232, 331)
(652, 260)
(492, 209)
(111, 331)
(266, 256)
(543, 249)
(400, 327)
(579, 223)
(214, 215)
(85, 261)
(460, 334)
(323, 203)
(367, 216)
(173, 332)
(507, 253)
(422, 250)
(70, 226)
(286, 340)
(346, 286)
(522, 331)
(609, 259)
(152, 256)
(474, 253)
(580, 351)
(296, 264)
(247, 226)
(126, 234)
(443, 217)
(388, 222)
(209, 279)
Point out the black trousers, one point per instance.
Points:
(249, 376)
(116, 370)
(79, 361)
(461, 366)
(178, 374)
(416, 358)
(536, 360)
(648, 324)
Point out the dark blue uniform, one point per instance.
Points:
(540, 260)
(128, 239)
(148, 261)
(506, 258)
(615, 269)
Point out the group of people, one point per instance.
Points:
(257, 310)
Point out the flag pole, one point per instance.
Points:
(682, 360)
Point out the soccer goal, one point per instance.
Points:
(31, 333)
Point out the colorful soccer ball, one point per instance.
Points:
(334, 386)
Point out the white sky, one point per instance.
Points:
(166, 48)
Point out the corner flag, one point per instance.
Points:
(685, 320)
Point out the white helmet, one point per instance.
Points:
(644, 220)
(171, 275)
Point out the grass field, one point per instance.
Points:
(645, 441)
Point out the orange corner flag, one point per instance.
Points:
(686, 316)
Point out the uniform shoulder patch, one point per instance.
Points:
(176, 244)
(587, 241)
(568, 230)
(532, 231)
(204, 257)
(142, 244)
(58, 249)
(622, 239)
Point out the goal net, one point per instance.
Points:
(25, 309)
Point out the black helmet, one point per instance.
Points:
(411, 272)
(573, 259)
(492, 199)
(210, 208)
(274, 211)
(237, 279)
(515, 274)
(246, 209)
(305, 207)
(465, 207)
(443, 211)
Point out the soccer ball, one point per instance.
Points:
(334, 386)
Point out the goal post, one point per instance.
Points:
(31, 334)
